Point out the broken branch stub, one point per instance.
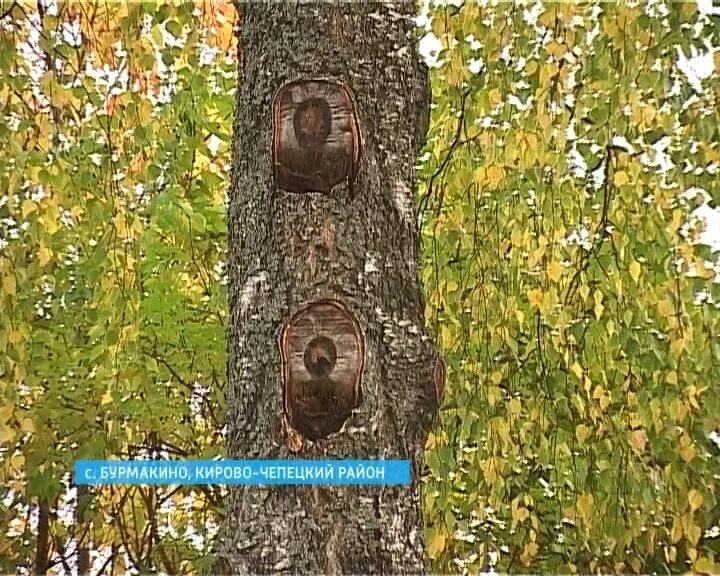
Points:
(323, 352)
(316, 136)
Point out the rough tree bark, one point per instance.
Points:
(356, 244)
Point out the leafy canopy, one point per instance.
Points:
(567, 289)
(563, 279)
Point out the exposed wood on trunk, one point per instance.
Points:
(316, 138)
(323, 352)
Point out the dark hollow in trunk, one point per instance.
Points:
(323, 351)
(287, 250)
(316, 139)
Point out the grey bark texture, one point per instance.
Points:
(359, 246)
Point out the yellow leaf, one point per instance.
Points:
(495, 174)
(693, 532)
(535, 297)
(457, 73)
(688, 453)
(8, 284)
(516, 237)
(604, 402)
(677, 346)
(28, 207)
(63, 97)
(586, 505)
(554, 271)
(494, 96)
(702, 270)
(529, 553)
(635, 271)
(567, 11)
(446, 337)
(577, 370)
(129, 333)
(685, 440)
(27, 425)
(611, 327)
(50, 220)
(672, 378)
(582, 432)
(598, 308)
(547, 18)
(501, 426)
(520, 514)
(515, 406)
(556, 49)
(648, 114)
(584, 292)
(535, 256)
(677, 220)
(665, 308)
(636, 112)
(678, 410)
(612, 28)
(43, 255)
(225, 36)
(695, 500)
(621, 178)
(636, 565)
(639, 439)
(107, 398)
(14, 337)
(705, 565)
(677, 532)
(493, 395)
(7, 435)
(121, 225)
(6, 411)
(436, 545)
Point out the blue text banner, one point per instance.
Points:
(258, 472)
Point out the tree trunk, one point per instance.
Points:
(356, 245)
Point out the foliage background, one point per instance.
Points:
(113, 301)
(564, 283)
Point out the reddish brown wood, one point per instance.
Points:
(323, 353)
(316, 136)
(293, 439)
